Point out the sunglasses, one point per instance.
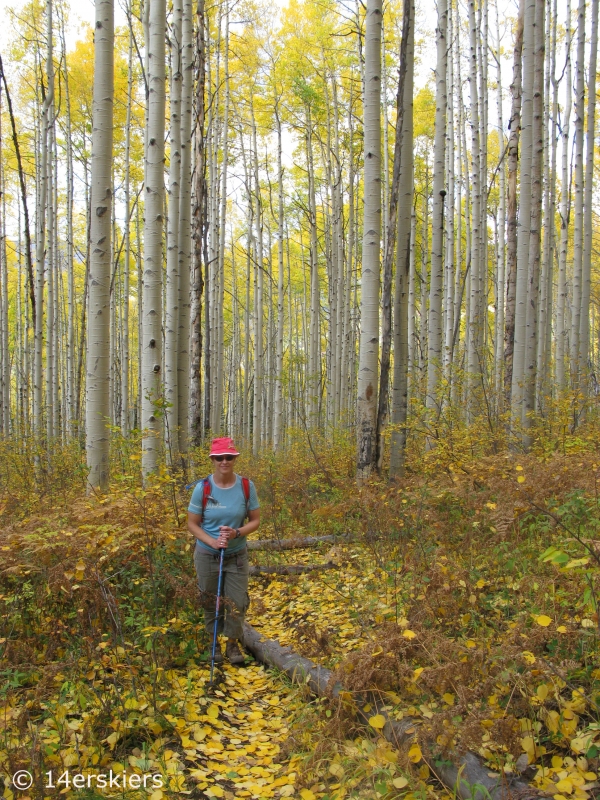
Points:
(220, 458)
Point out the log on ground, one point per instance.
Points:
(290, 569)
(296, 544)
(465, 774)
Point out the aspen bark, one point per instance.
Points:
(369, 304)
(574, 340)
(436, 284)
(561, 295)
(97, 368)
(524, 220)
(185, 239)
(586, 279)
(153, 250)
(173, 294)
(404, 250)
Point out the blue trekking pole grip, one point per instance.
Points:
(217, 608)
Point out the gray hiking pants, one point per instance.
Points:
(234, 593)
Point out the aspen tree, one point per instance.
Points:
(404, 249)
(574, 339)
(173, 295)
(97, 367)
(199, 232)
(184, 244)
(475, 318)
(278, 400)
(584, 324)
(153, 229)
(369, 304)
(561, 349)
(434, 336)
(535, 223)
(125, 358)
(501, 224)
(524, 220)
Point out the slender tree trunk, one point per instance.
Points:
(436, 285)
(404, 249)
(97, 369)
(153, 232)
(185, 240)
(278, 402)
(524, 220)
(173, 293)
(584, 324)
(561, 295)
(199, 232)
(369, 319)
(574, 342)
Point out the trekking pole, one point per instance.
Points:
(217, 607)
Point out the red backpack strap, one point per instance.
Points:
(205, 493)
(246, 488)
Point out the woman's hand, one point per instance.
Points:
(225, 535)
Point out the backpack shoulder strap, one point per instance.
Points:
(246, 489)
(205, 493)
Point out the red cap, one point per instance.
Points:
(223, 447)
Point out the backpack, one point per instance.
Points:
(206, 492)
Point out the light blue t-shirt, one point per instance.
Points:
(223, 507)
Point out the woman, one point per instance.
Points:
(221, 525)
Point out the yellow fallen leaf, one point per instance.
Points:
(561, 629)
(157, 795)
(471, 643)
(448, 698)
(213, 711)
(306, 794)
(377, 722)
(521, 479)
(414, 754)
(529, 657)
(336, 769)
(400, 783)
(542, 691)
(408, 634)
(543, 620)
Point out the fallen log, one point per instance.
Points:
(465, 774)
(291, 569)
(296, 544)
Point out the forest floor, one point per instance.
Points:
(467, 601)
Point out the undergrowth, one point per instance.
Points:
(468, 602)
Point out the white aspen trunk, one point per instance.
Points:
(448, 317)
(50, 262)
(476, 322)
(258, 305)
(173, 295)
(185, 241)
(153, 229)
(70, 417)
(5, 373)
(369, 304)
(403, 259)
(125, 360)
(314, 361)
(501, 250)
(512, 205)
(574, 340)
(584, 323)
(524, 220)
(278, 400)
(546, 289)
(436, 283)
(220, 223)
(535, 226)
(97, 369)
(40, 252)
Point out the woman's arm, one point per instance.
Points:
(226, 533)
(194, 527)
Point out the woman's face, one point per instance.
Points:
(223, 467)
